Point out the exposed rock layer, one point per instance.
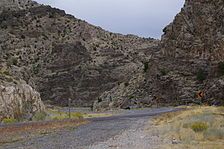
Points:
(63, 57)
(188, 64)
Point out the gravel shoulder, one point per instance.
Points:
(136, 137)
(126, 130)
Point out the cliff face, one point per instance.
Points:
(63, 57)
(197, 32)
(189, 66)
(193, 49)
(196, 39)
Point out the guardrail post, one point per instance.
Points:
(69, 108)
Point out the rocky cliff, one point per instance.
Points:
(189, 66)
(197, 32)
(63, 57)
(195, 40)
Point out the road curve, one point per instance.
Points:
(85, 136)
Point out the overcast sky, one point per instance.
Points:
(144, 18)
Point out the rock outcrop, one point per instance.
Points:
(197, 32)
(19, 101)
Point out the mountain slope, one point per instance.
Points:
(187, 68)
(195, 40)
(64, 57)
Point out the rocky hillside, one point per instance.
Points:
(8, 5)
(189, 66)
(195, 40)
(18, 100)
(63, 57)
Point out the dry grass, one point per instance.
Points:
(95, 115)
(193, 128)
(16, 132)
(57, 114)
(53, 120)
(54, 114)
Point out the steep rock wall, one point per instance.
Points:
(197, 32)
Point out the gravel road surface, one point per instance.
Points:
(124, 131)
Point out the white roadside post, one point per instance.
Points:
(69, 108)
(69, 101)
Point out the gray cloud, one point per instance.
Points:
(145, 18)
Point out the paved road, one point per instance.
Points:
(97, 131)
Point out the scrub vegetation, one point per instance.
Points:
(193, 128)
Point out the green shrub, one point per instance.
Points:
(163, 72)
(99, 99)
(201, 75)
(60, 117)
(4, 72)
(39, 116)
(23, 37)
(51, 16)
(77, 115)
(131, 97)
(221, 68)
(12, 61)
(126, 84)
(9, 121)
(36, 68)
(9, 79)
(146, 66)
(199, 126)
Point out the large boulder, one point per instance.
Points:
(19, 101)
